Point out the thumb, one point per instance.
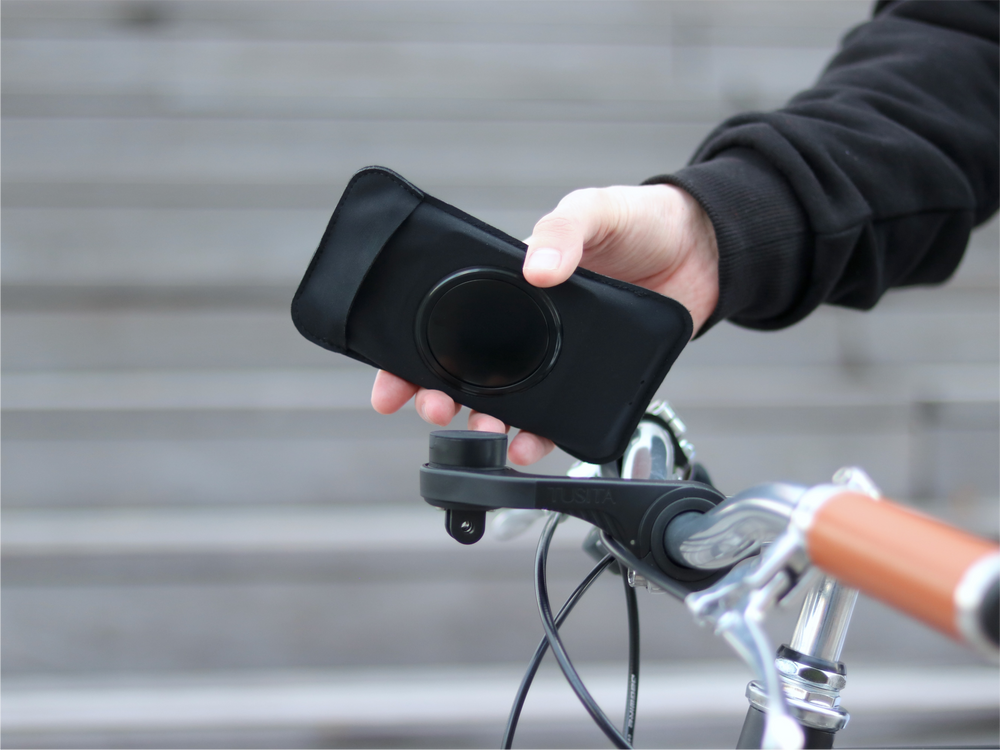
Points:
(556, 245)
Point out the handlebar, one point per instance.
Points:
(945, 577)
(734, 529)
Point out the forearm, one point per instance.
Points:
(871, 179)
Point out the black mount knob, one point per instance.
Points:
(468, 450)
(465, 449)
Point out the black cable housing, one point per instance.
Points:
(632, 694)
(627, 560)
(558, 650)
(543, 646)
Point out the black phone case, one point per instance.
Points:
(407, 283)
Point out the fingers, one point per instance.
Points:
(436, 407)
(559, 238)
(485, 423)
(526, 448)
(389, 392)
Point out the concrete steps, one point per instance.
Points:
(383, 700)
(208, 537)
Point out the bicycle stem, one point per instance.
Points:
(826, 612)
(824, 619)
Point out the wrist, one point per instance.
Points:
(694, 277)
(702, 259)
(765, 244)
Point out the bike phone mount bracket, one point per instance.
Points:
(467, 476)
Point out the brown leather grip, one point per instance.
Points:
(897, 555)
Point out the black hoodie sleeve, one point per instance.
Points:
(871, 179)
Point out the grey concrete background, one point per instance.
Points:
(192, 492)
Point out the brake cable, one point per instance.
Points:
(543, 646)
(559, 650)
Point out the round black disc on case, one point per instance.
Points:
(486, 331)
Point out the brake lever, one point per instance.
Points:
(467, 476)
(735, 607)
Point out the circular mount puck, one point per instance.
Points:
(486, 331)
(468, 449)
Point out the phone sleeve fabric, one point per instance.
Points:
(389, 251)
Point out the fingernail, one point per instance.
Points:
(544, 259)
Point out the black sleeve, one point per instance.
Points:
(871, 179)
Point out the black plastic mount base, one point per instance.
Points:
(466, 476)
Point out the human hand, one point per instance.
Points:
(654, 236)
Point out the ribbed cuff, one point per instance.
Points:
(763, 236)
